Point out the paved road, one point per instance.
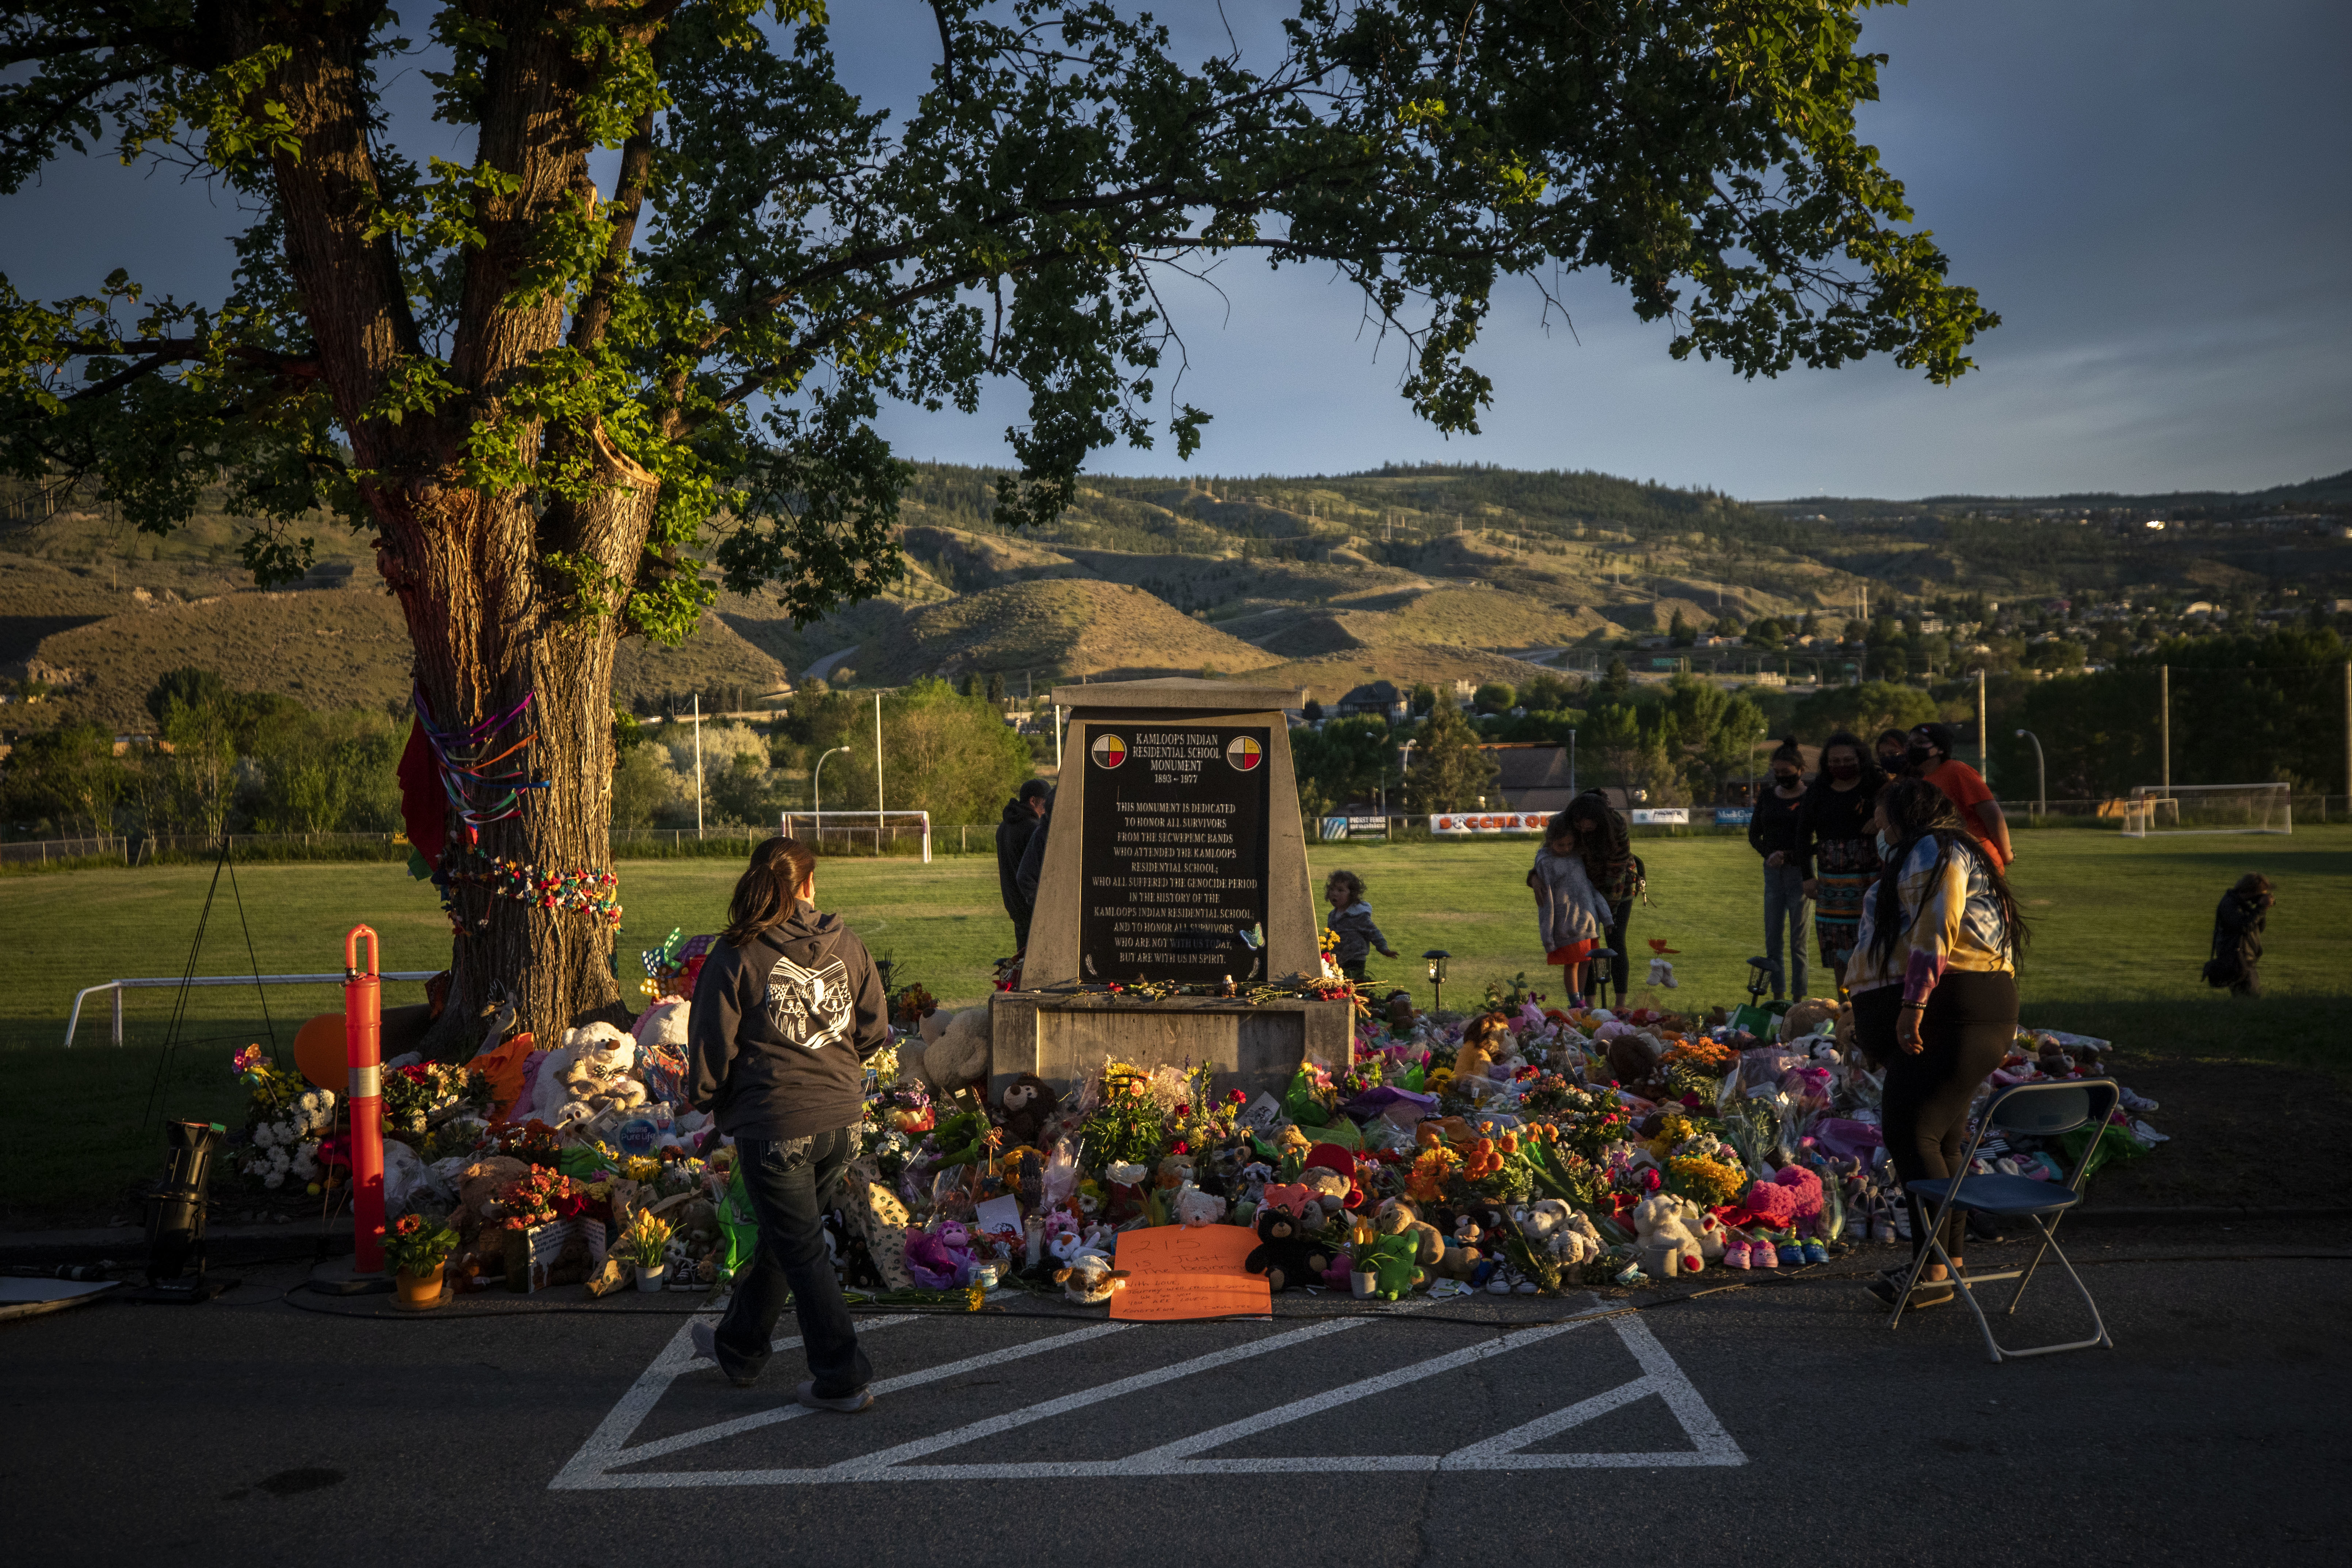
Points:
(1779, 1424)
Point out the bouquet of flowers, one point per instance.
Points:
(413, 1094)
(645, 1242)
(1129, 1126)
(1588, 1119)
(540, 1198)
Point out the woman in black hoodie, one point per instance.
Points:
(787, 1008)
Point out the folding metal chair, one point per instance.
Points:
(2031, 1110)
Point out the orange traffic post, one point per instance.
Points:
(362, 1045)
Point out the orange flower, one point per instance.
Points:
(1429, 1173)
(1508, 1143)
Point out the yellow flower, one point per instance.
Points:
(973, 1298)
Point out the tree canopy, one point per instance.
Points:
(774, 255)
(614, 333)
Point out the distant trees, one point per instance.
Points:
(1345, 761)
(1494, 697)
(1768, 634)
(1679, 629)
(1864, 709)
(229, 760)
(1449, 772)
(943, 752)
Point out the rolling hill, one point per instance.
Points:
(1408, 574)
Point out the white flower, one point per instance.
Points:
(273, 1180)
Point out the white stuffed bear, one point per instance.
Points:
(592, 1079)
(1559, 1230)
(957, 1054)
(1669, 1245)
(662, 1024)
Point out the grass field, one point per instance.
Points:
(2120, 930)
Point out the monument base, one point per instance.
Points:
(1064, 1037)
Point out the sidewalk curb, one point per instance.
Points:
(223, 1244)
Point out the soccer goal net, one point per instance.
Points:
(2209, 808)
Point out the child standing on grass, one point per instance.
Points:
(1352, 921)
(1571, 916)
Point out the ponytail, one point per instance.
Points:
(767, 892)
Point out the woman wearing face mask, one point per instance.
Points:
(1934, 977)
(1894, 748)
(1776, 831)
(1838, 847)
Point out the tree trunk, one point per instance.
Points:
(493, 619)
(489, 632)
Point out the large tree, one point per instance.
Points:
(562, 408)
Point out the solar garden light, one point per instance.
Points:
(1437, 957)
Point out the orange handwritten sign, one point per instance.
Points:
(1178, 1272)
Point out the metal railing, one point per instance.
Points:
(118, 986)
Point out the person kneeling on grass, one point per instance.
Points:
(1351, 922)
(788, 1008)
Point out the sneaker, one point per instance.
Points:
(847, 1404)
(2138, 1104)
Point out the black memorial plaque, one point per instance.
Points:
(1174, 858)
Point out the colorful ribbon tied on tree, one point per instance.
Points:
(464, 760)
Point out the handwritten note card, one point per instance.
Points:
(1178, 1272)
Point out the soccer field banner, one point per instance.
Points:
(1663, 816)
(1474, 824)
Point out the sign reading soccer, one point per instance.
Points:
(1468, 824)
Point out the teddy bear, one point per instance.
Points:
(596, 1079)
(1669, 1248)
(475, 1218)
(1330, 1175)
(1195, 1208)
(1029, 1106)
(934, 1260)
(1396, 1216)
(958, 1056)
(1554, 1228)
(1283, 1253)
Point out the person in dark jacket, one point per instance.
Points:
(787, 1008)
(1776, 831)
(2238, 936)
(1032, 869)
(1023, 813)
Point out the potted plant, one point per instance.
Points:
(642, 1246)
(1363, 1277)
(416, 1246)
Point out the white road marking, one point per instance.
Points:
(607, 1449)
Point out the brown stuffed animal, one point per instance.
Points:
(1029, 1105)
(1395, 1217)
(1806, 1017)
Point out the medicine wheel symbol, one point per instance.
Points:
(1245, 753)
(1109, 750)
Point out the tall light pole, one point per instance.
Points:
(878, 775)
(697, 764)
(1404, 766)
(816, 792)
(1571, 762)
(2040, 775)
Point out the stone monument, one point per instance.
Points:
(1176, 852)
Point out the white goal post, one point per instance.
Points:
(851, 824)
(2156, 809)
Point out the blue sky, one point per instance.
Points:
(2156, 198)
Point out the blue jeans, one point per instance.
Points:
(1785, 912)
(790, 1183)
